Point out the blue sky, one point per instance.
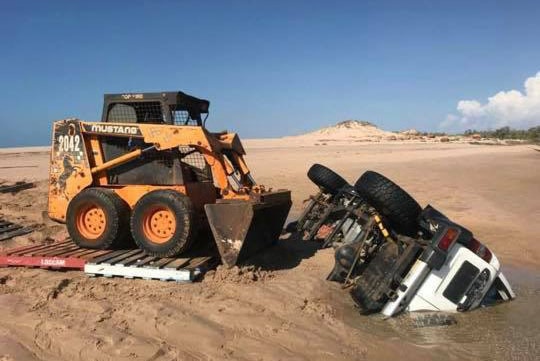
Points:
(269, 68)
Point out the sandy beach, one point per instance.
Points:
(285, 310)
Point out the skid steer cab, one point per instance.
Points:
(150, 172)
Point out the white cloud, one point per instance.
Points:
(506, 108)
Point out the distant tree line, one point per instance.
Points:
(531, 134)
(433, 134)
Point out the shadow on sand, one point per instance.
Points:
(287, 253)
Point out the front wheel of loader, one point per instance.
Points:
(98, 218)
(162, 223)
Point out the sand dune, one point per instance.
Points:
(348, 129)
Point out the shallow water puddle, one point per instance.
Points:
(507, 331)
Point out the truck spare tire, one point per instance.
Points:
(328, 180)
(391, 201)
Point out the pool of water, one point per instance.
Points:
(506, 331)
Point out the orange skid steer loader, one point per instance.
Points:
(151, 172)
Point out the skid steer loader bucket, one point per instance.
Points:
(241, 228)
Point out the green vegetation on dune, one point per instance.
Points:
(531, 134)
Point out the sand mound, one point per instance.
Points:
(242, 275)
(349, 130)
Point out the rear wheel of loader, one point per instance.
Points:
(98, 218)
(328, 180)
(162, 223)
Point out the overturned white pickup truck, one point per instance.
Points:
(395, 256)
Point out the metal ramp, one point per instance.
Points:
(136, 264)
(9, 230)
(17, 187)
(57, 255)
(127, 263)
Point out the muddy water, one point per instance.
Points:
(507, 331)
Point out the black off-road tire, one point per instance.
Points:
(372, 285)
(184, 218)
(116, 211)
(391, 201)
(328, 180)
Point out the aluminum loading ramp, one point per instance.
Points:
(17, 187)
(127, 263)
(136, 264)
(9, 230)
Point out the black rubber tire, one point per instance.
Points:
(328, 180)
(371, 286)
(391, 201)
(116, 212)
(184, 233)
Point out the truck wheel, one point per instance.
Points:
(98, 218)
(328, 180)
(399, 208)
(162, 223)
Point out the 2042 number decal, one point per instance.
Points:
(69, 143)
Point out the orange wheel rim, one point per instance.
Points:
(91, 221)
(159, 224)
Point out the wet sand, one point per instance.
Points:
(286, 310)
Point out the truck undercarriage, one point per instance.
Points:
(393, 255)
